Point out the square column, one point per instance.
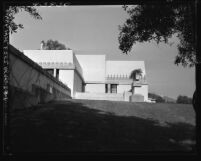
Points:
(54, 72)
(109, 88)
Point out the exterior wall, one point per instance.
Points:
(143, 90)
(121, 88)
(29, 84)
(100, 96)
(77, 65)
(73, 80)
(93, 67)
(127, 96)
(95, 88)
(78, 83)
(50, 55)
(67, 76)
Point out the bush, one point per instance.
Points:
(184, 99)
(156, 97)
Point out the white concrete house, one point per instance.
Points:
(92, 76)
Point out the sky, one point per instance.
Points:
(94, 30)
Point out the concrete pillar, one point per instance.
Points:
(109, 88)
(54, 72)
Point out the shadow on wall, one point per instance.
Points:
(73, 127)
(21, 99)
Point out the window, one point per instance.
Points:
(106, 88)
(113, 88)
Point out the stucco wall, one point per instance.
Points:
(67, 76)
(28, 79)
(73, 80)
(93, 67)
(77, 65)
(100, 96)
(50, 55)
(143, 90)
(121, 88)
(78, 83)
(95, 88)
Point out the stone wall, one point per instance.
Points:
(29, 84)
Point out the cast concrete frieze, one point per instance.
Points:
(58, 65)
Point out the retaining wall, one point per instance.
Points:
(29, 84)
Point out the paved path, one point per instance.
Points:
(71, 126)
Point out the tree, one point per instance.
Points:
(12, 10)
(133, 76)
(159, 22)
(53, 45)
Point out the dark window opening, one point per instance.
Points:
(106, 88)
(57, 73)
(113, 88)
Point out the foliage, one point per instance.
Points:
(158, 98)
(159, 22)
(53, 45)
(134, 74)
(184, 99)
(12, 10)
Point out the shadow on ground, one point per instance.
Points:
(73, 127)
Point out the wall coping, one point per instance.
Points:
(23, 57)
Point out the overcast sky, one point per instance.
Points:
(94, 30)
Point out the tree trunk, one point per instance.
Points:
(196, 104)
(197, 95)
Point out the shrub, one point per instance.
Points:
(156, 97)
(184, 99)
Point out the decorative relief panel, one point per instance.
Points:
(58, 65)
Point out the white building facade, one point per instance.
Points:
(92, 76)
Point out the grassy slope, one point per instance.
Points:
(162, 112)
(91, 126)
